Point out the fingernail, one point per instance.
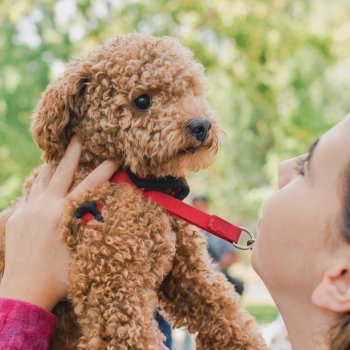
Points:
(75, 141)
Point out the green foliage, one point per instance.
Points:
(263, 313)
(276, 68)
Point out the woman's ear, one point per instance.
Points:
(51, 119)
(333, 292)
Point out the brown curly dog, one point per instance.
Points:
(139, 100)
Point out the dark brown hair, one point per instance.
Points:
(341, 331)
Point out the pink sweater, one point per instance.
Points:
(26, 326)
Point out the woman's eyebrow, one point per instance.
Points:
(311, 151)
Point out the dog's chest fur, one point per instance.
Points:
(135, 231)
(127, 255)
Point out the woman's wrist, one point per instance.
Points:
(31, 292)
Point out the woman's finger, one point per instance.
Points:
(41, 181)
(102, 173)
(64, 174)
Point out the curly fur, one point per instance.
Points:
(139, 257)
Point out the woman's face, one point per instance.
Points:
(296, 231)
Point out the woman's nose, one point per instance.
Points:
(286, 172)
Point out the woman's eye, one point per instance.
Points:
(143, 102)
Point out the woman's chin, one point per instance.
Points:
(255, 258)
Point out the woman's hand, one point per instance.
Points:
(36, 258)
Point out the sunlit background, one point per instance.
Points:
(278, 76)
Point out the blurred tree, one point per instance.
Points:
(277, 77)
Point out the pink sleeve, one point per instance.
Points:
(25, 326)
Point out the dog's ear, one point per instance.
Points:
(54, 117)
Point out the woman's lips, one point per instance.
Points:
(258, 225)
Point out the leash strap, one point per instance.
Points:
(210, 223)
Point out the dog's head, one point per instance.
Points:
(139, 99)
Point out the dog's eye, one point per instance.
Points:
(143, 102)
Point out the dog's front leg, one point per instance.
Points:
(118, 266)
(114, 304)
(199, 298)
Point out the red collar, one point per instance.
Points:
(210, 223)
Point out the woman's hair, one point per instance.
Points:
(341, 331)
(341, 334)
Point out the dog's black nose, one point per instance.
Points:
(200, 128)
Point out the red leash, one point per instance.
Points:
(210, 223)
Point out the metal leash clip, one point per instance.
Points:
(250, 242)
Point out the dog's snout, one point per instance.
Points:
(199, 128)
